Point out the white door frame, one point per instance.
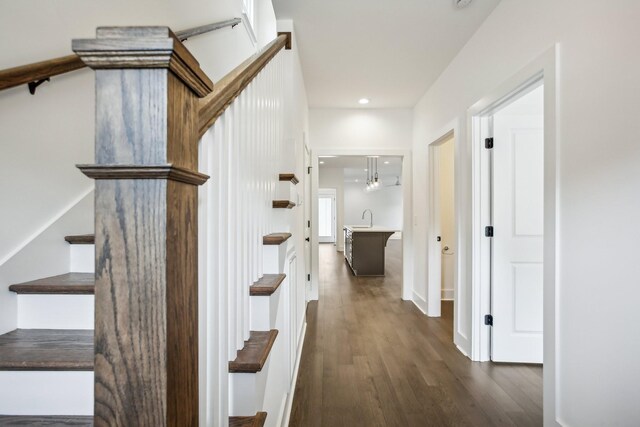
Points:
(332, 192)
(542, 69)
(434, 254)
(407, 212)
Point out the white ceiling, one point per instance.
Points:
(354, 167)
(390, 51)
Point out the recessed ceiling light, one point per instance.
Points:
(322, 163)
(363, 101)
(386, 163)
(366, 170)
(356, 180)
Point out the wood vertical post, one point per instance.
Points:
(146, 319)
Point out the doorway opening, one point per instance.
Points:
(442, 231)
(369, 215)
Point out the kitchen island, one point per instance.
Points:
(364, 248)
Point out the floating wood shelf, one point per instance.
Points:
(47, 420)
(289, 177)
(257, 420)
(283, 204)
(46, 350)
(275, 238)
(267, 285)
(254, 354)
(81, 239)
(70, 283)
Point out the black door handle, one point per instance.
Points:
(307, 239)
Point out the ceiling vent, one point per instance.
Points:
(461, 3)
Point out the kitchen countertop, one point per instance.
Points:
(367, 229)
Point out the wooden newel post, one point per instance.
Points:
(146, 320)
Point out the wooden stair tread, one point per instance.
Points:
(81, 239)
(46, 350)
(257, 420)
(267, 284)
(289, 177)
(253, 356)
(283, 204)
(45, 420)
(70, 283)
(275, 238)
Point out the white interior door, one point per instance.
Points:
(517, 251)
(327, 215)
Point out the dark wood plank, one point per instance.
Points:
(39, 70)
(146, 362)
(257, 420)
(46, 350)
(371, 359)
(231, 85)
(289, 177)
(70, 283)
(283, 204)
(48, 420)
(275, 238)
(267, 284)
(256, 350)
(80, 239)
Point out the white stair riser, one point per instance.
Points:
(265, 308)
(246, 392)
(273, 258)
(287, 191)
(55, 311)
(46, 393)
(82, 258)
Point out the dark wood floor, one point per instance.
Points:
(371, 359)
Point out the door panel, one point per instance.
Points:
(517, 252)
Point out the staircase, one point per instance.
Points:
(116, 340)
(54, 344)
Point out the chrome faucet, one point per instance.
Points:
(364, 212)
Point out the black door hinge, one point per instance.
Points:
(308, 224)
(438, 239)
(488, 231)
(488, 320)
(488, 143)
(308, 170)
(308, 277)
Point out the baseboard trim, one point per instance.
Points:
(294, 381)
(419, 302)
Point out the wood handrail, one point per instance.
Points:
(196, 31)
(230, 86)
(37, 72)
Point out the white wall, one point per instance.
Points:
(360, 128)
(447, 215)
(334, 178)
(597, 376)
(386, 204)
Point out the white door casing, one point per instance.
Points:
(517, 244)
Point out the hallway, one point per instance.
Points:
(371, 359)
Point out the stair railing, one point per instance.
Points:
(37, 73)
(153, 102)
